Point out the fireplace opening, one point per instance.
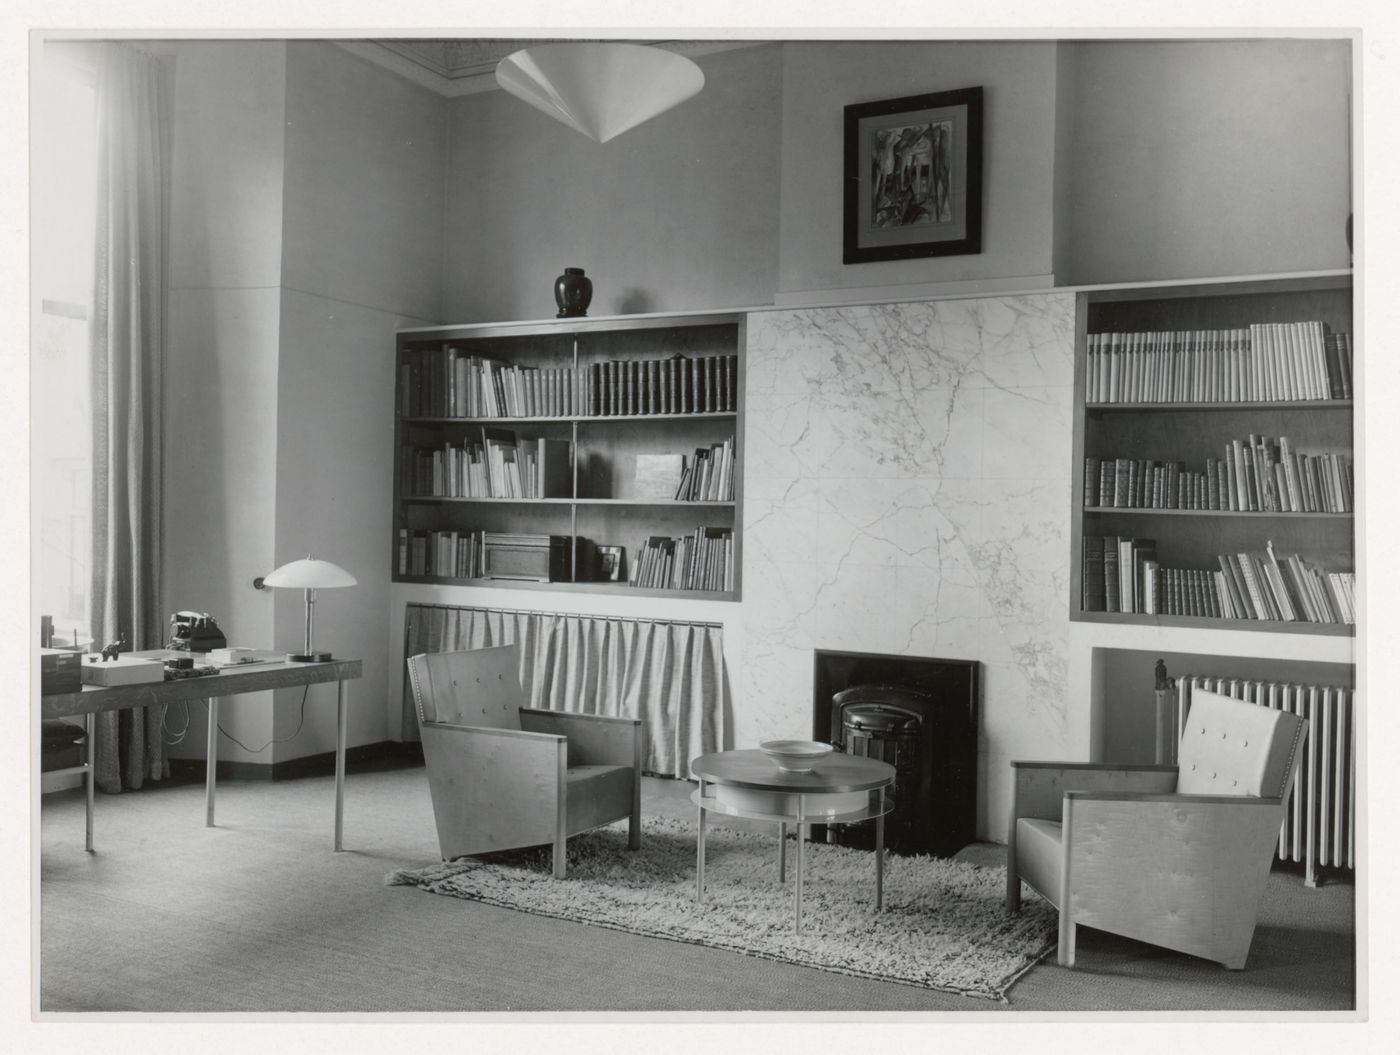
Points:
(920, 715)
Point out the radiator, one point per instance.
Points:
(1319, 826)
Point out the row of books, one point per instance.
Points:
(705, 384)
(1275, 361)
(703, 560)
(1258, 474)
(503, 465)
(709, 475)
(453, 554)
(1123, 575)
(448, 382)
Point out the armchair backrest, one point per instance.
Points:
(1230, 747)
(479, 686)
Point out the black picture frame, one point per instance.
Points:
(888, 215)
(611, 561)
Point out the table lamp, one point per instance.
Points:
(309, 575)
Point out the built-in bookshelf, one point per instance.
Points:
(597, 455)
(1213, 444)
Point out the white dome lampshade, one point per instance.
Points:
(308, 575)
(601, 90)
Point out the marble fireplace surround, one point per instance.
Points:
(907, 491)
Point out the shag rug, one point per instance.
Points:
(944, 924)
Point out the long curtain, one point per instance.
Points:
(128, 354)
(671, 675)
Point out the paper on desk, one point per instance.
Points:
(243, 657)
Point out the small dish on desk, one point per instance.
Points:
(795, 756)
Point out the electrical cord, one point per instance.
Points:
(180, 736)
(254, 751)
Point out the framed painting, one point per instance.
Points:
(610, 561)
(913, 177)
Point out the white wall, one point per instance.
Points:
(362, 251)
(1208, 158)
(306, 210)
(225, 239)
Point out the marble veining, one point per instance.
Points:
(907, 490)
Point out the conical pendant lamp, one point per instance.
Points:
(601, 90)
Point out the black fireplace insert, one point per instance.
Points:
(920, 715)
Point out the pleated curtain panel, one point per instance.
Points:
(671, 675)
(128, 353)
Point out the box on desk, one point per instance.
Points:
(59, 671)
(124, 670)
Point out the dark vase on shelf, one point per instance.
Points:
(573, 290)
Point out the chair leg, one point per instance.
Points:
(560, 857)
(1067, 929)
(634, 831)
(1013, 885)
(1013, 877)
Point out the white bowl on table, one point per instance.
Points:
(795, 756)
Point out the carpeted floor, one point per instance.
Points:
(944, 925)
(258, 915)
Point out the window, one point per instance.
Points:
(64, 223)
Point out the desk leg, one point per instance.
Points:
(339, 763)
(880, 855)
(211, 763)
(700, 851)
(88, 777)
(782, 851)
(797, 912)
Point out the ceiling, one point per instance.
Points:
(461, 66)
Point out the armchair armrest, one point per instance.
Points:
(1039, 787)
(593, 739)
(493, 788)
(1172, 797)
(1185, 871)
(486, 732)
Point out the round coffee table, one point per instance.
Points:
(837, 789)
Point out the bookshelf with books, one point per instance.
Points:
(534, 455)
(1215, 482)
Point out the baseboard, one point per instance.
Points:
(362, 756)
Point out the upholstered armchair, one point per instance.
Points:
(504, 776)
(1175, 856)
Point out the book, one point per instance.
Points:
(1239, 591)
(553, 475)
(1092, 574)
(1283, 596)
(1112, 594)
(1257, 586)
(1151, 583)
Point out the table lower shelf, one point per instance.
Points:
(780, 807)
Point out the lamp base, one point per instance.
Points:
(308, 657)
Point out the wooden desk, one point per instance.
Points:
(254, 677)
